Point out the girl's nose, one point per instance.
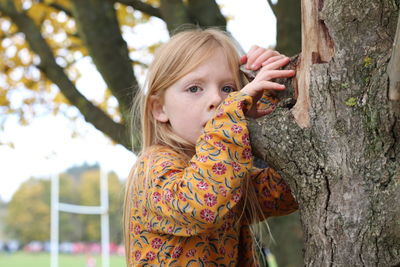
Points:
(215, 98)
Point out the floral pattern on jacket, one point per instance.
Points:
(187, 214)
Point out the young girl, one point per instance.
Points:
(193, 192)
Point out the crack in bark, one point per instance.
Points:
(328, 195)
(361, 249)
(377, 250)
(378, 258)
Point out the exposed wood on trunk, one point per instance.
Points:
(394, 67)
(317, 47)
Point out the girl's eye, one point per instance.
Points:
(194, 89)
(227, 89)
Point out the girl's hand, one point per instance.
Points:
(258, 57)
(271, 69)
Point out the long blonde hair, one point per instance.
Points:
(183, 53)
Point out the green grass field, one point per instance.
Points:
(21, 259)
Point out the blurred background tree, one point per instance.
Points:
(41, 43)
(30, 205)
(79, 185)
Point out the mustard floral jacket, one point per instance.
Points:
(188, 214)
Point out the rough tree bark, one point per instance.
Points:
(339, 145)
(286, 230)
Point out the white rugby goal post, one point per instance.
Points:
(102, 210)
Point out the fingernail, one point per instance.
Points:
(254, 66)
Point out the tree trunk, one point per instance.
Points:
(339, 145)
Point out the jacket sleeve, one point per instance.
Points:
(268, 100)
(273, 194)
(189, 199)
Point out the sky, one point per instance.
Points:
(46, 147)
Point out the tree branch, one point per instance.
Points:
(58, 7)
(393, 69)
(56, 74)
(206, 13)
(61, 8)
(98, 27)
(143, 7)
(271, 5)
(140, 63)
(174, 14)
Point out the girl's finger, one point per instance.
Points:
(277, 64)
(268, 75)
(272, 59)
(260, 86)
(252, 49)
(268, 85)
(252, 56)
(264, 57)
(243, 59)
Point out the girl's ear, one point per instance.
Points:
(157, 109)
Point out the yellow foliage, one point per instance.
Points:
(17, 61)
(144, 18)
(47, 86)
(153, 47)
(4, 102)
(56, 109)
(29, 101)
(32, 85)
(64, 3)
(155, 3)
(60, 99)
(75, 44)
(18, 4)
(125, 16)
(23, 121)
(38, 12)
(103, 104)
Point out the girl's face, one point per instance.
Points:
(191, 101)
